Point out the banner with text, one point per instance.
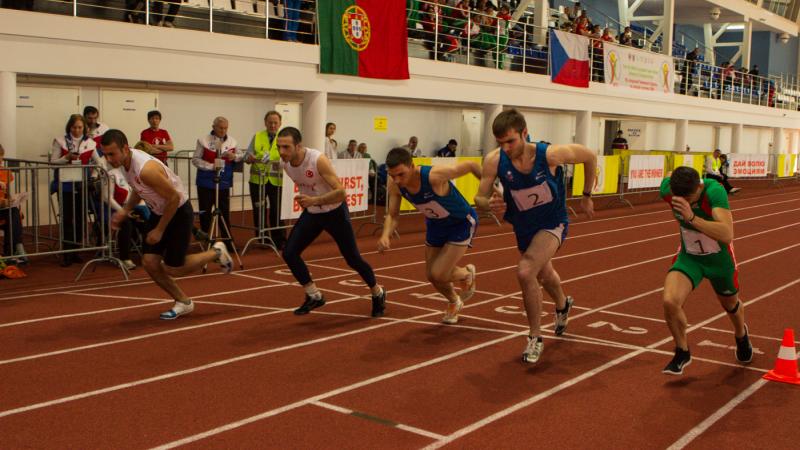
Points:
(646, 171)
(745, 166)
(352, 173)
(606, 180)
(638, 69)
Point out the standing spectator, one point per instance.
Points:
(160, 20)
(133, 9)
(713, 170)
(598, 72)
(74, 148)
(351, 152)
(292, 14)
(214, 157)
(607, 36)
(626, 37)
(688, 70)
(266, 178)
(10, 218)
(619, 142)
(754, 71)
(582, 26)
(330, 142)
(157, 141)
(373, 169)
(94, 128)
(449, 150)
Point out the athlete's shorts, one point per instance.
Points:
(441, 232)
(174, 242)
(719, 268)
(525, 236)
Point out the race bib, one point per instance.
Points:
(433, 210)
(532, 197)
(698, 243)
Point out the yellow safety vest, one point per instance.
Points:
(261, 172)
(716, 163)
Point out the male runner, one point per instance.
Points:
(170, 224)
(534, 201)
(450, 220)
(701, 208)
(322, 199)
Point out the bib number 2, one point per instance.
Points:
(532, 197)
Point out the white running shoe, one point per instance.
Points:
(179, 309)
(451, 313)
(129, 265)
(533, 351)
(223, 257)
(471, 280)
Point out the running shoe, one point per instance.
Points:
(562, 316)
(179, 309)
(681, 359)
(744, 349)
(129, 265)
(379, 303)
(735, 190)
(309, 304)
(223, 257)
(533, 351)
(471, 279)
(451, 313)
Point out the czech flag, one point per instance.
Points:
(569, 59)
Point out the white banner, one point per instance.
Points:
(645, 171)
(742, 166)
(637, 69)
(352, 173)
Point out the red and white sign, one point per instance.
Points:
(354, 176)
(745, 166)
(645, 171)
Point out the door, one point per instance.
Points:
(127, 111)
(291, 114)
(42, 114)
(471, 132)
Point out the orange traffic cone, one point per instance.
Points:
(785, 369)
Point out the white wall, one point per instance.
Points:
(554, 127)
(660, 135)
(700, 137)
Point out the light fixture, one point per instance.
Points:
(714, 13)
(784, 38)
(738, 26)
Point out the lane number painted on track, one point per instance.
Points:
(617, 328)
(284, 272)
(513, 309)
(707, 343)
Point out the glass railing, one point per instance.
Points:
(437, 32)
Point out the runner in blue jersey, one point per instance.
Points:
(450, 221)
(534, 202)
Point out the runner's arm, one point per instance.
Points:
(574, 154)
(719, 229)
(488, 175)
(392, 211)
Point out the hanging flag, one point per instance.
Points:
(569, 59)
(367, 38)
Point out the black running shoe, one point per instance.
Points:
(744, 349)
(379, 303)
(562, 316)
(308, 305)
(681, 359)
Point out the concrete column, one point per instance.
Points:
(541, 21)
(668, 26)
(315, 113)
(8, 113)
(681, 131)
(736, 138)
(583, 128)
(747, 35)
(778, 143)
(490, 112)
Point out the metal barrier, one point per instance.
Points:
(60, 209)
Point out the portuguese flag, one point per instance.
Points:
(367, 38)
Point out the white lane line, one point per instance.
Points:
(386, 422)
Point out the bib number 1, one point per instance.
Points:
(698, 243)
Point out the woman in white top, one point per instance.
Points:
(74, 148)
(330, 143)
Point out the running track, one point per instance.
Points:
(90, 366)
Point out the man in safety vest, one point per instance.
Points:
(266, 178)
(713, 170)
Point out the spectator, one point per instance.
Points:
(351, 152)
(754, 71)
(607, 36)
(572, 12)
(120, 190)
(712, 170)
(582, 26)
(330, 142)
(133, 10)
(159, 19)
(597, 54)
(266, 178)
(74, 149)
(373, 169)
(688, 70)
(292, 14)
(94, 128)
(416, 152)
(10, 218)
(626, 37)
(449, 150)
(214, 156)
(619, 142)
(157, 141)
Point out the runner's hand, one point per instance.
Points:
(117, 219)
(305, 201)
(250, 159)
(154, 236)
(588, 206)
(497, 204)
(383, 244)
(682, 207)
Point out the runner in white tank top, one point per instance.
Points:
(321, 197)
(170, 224)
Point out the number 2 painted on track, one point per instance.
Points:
(629, 330)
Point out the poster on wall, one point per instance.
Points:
(742, 166)
(354, 176)
(631, 68)
(606, 178)
(635, 132)
(645, 171)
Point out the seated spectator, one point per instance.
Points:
(416, 152)
(626, 37)
(119, 192)
(449, 150)
(351, 152)
(713, 168)
(330, 142)
(214, 157)
(74, 148)
(157, 141)
(159, 19)
(619, 142)
(10, 217)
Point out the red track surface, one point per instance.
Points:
(88, 365)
